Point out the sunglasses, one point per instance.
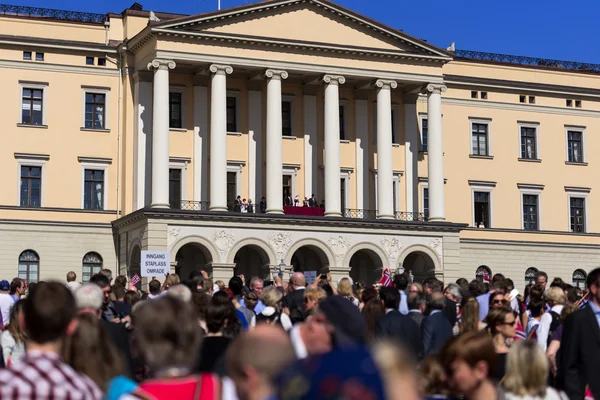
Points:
(499, 301)
(510, 323)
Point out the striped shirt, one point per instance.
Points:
(44, 376)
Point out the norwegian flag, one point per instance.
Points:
(583, 301)
(486, 276)
(386, 278)
(520, 332)
(134, 280)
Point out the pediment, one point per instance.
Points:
(303, 21)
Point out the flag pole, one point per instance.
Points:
(219, 5)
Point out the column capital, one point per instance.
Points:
(436, 88)
(277, 74)
(158, 63)
(220, 69)
(386, 84)
(334, 79)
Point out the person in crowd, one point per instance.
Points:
(415, 287)
(209, 287)
(436, 328)
(168, 335)
(512, 295)
(396, 326)
(201, 302)
(469, 316)
(367, 295)
(454, 297)
(554, 345)
(572, 294)
(48, 316)
(154, 289)
(469, 360)
(536, 309)
(579, 356)
(536, 294)
(214, 344)
(558, 282)
(256, 285)
(464, 285)
(502, 327)
(131, 297)
(541, 278)
(272, 314)
(108, 308)
(121, 280)
(221, 285)
(13, 337)
(397, 370)
(255, 360)
(476, 288)
(527, 374)
(417, 302)
(401, 283)
(198, 277)
(556, 299)
(498, 286)
(182, 292)
(72, 283)
(312, 298)
(345, 290)
(170, 281)
(236, 286)
(17, 289)
(122, 309)
(6, 302)
(235, 319)
(433, 384)
(372, 311)
(498, 300)
(251, 300)
(293, 303)
(263, 205)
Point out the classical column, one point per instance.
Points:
(160, 132)
(255, 147)
(362, 153)
(142, 94)
(310, 142)
(411, 152)
(274, 129)
(218, 137)
(435, 152)
(200, 143)
(385, 170)
(332, 145)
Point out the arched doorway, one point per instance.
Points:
(420, 266)
(366, 267)
(251, 261)
(192, 257)
(309, 258)
(135, 264)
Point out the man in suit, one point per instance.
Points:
(579, 355)
(416, 306)
(401, 283)
(395, 326)
(436, 328)
(293, 303)
(263, 205)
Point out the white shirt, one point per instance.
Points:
(6, 303)
(11, 349)
(298, 343)
(73, 286)
(551, 394)
(544, 328)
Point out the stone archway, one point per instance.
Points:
(366, 266)
(192, 257)
(251, 260)
(420, 265)
(310, 258)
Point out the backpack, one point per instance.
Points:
(553, 326)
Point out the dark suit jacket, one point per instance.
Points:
(417, 317)
(579, 355)
(399, 328)
(121, 309)
(295, 303)
(120, 337)
(450, 311)
(435, 330)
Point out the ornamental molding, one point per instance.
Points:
(386, 84)
(159, 63)
(334, 79)
(281, 243)
(223, 240)
(436, 245)
(340, 245)
(133, 237)
(276, 74)
(392, 247)
(220, 69)
(172, 235)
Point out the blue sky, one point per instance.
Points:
(566, 30)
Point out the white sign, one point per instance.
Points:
(155, 263)
(310, 277)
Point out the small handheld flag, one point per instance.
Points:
(386, 279)
(134, 280)
(583, 301)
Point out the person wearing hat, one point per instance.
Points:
(6, 302)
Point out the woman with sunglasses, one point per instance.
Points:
(498, 300)
(502, 327)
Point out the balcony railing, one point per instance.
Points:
(50, 13)
(194, 205)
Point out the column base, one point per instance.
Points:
(160, 205)
(334, 214)
(217, 209)
(385, 217)
(274, 211)
(436, 219)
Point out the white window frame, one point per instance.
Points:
(232, 166)
(536, 126)
(96, 164)
(396, 178)
(291, 170)
(344, 105)
(395, 130)
(181, 164)
(33, 85)
(291, 99)
(31, 160)
(489, 189)
(530, 190)
(238, 104)
(578, 193)
(482, 121)
(424, 185)
(345, 175)
(182, 90)
(423, 116)
(106, 93)
(580, 129)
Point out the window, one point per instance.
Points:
(91, 265)
(175, 120)
(579, 279)
(95, 105)
(530, 276)
(569, 103)
(232, 114)
(287, 190)
(93, 187)
(474, 95)
(32, 106)
(481, 205)
(426, 202)
(343, 133)
(286, 118)
(31, 186)
(101, 62)
(231, 189)
(577, 214)
(578, 103)
(39, 56)
(175, 188)
(530, 212)
(483, 273)
(574, 146)
(529, 143)
(522, 99)
(424, 135)
(29, 266)
(531, 99)
(479, 139)
(27, 55)
(89, 61)
(484, 95)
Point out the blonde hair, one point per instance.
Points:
(317, 294)
(345, 287)
(527, 369)
(172, 280)
(556, 295)
(271, 296)
(220, 284)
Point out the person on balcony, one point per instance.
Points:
(250, 206)
(244, 207)
(263, 205)
(237, 205)
(288, 200)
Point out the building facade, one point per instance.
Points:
(138, 131)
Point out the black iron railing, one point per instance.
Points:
(524, 60)
(64, 15)
(410, 216)
(194, 205)
(372, 214)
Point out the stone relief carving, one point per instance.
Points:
(224, 241)
(173, 235)
(436, 245)
(340, 245)
(392, 247)
(281, 242)
(133, 236)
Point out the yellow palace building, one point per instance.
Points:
(138, 131)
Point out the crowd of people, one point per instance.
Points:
(258, 340)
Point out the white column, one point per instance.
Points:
(274, 129)
(362, 154)
(200, 143)
(435, 152)
(411, 152)
(143, 137)
(218, 137)
(160, 133)
(310, 145)
(332, 145)
(255, 158)
(385, 170)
